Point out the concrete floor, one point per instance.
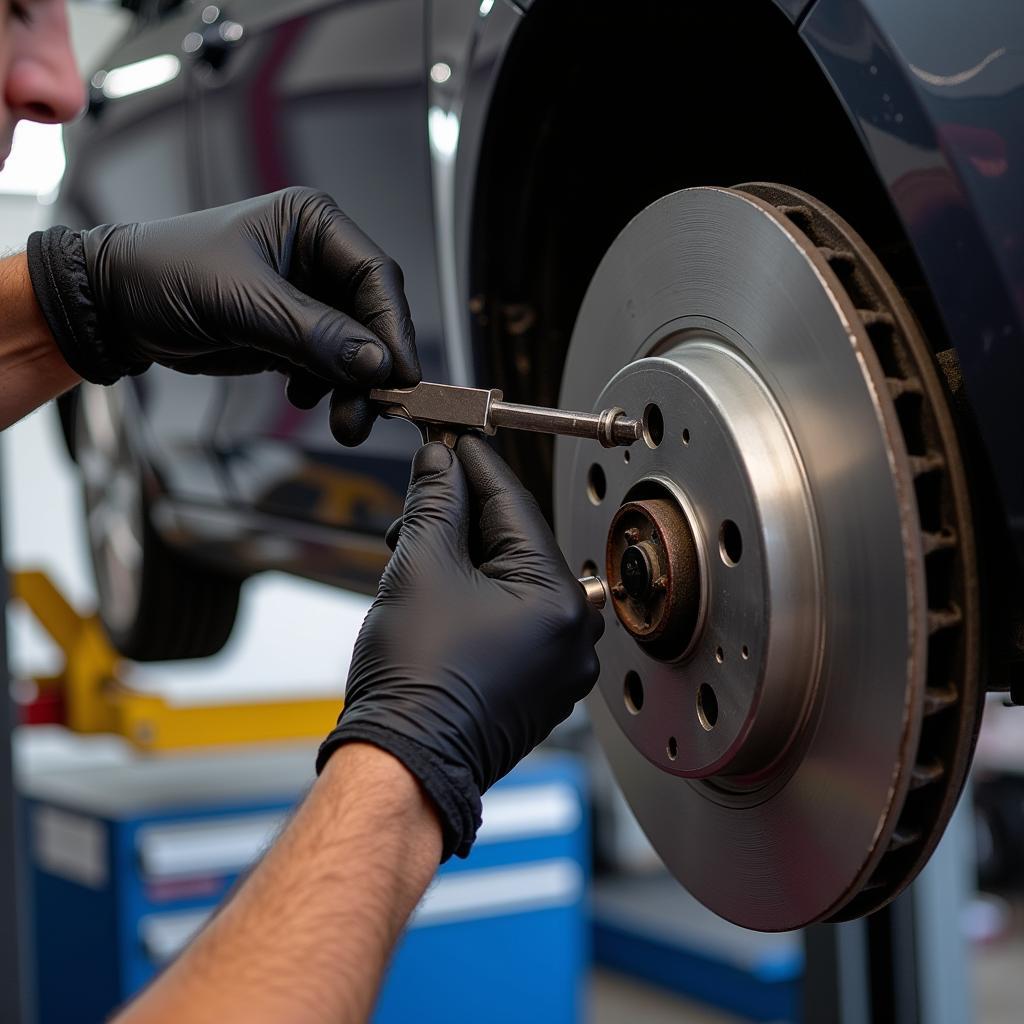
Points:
(999, 976)
(616, 999)
(998, 973)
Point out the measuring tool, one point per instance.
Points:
(442, 410)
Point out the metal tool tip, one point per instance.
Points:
(595, 590)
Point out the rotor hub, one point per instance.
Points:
(713, 544)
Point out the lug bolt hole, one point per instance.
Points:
(672, 749)
(730, 542)
(744, 652)
(633, 693)
(597, 485)
(654, 426)
(686, 436)
(719, 655)
(707, 707)
(625, 455)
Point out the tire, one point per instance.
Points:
(156, 602)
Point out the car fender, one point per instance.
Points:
(933, 91)
(936, 93)
(467, 44)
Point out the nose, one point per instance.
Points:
(43, 83)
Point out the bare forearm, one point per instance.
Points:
(308, 936)
(32, 370)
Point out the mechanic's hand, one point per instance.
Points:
(284, 282)
(480, 640)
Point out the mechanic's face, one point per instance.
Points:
(38, 71)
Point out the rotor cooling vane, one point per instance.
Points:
(789, 694)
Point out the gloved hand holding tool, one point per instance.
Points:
(284, 282)
(480, 640)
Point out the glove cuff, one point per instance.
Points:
(60, 280)
(452, 789)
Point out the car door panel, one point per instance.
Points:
(330, 96)
(131, 158)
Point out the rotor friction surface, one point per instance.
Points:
(859, 783)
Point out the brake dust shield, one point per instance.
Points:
(789, 692)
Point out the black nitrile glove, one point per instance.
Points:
(281, 282)
(480, 640)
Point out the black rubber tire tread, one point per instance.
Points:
(186, 610)
(66, 406)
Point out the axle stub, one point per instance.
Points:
(653, 575)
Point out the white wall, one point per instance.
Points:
(20, 215)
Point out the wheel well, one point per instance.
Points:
(599, 110)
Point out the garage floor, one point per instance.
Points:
(998, 981)
(616, 999)
(998, 991)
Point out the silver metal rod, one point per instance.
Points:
(450, 407)
(595, 590)
(612, 427)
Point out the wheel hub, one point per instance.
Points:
(653, 574)
(714, 532)
(779, 620)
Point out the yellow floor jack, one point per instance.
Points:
(90, 695)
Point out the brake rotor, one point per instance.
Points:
(789, 694)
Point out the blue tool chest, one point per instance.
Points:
(127, 861)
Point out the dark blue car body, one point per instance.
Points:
(495, 149)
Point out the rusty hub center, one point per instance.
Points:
(653, 574)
